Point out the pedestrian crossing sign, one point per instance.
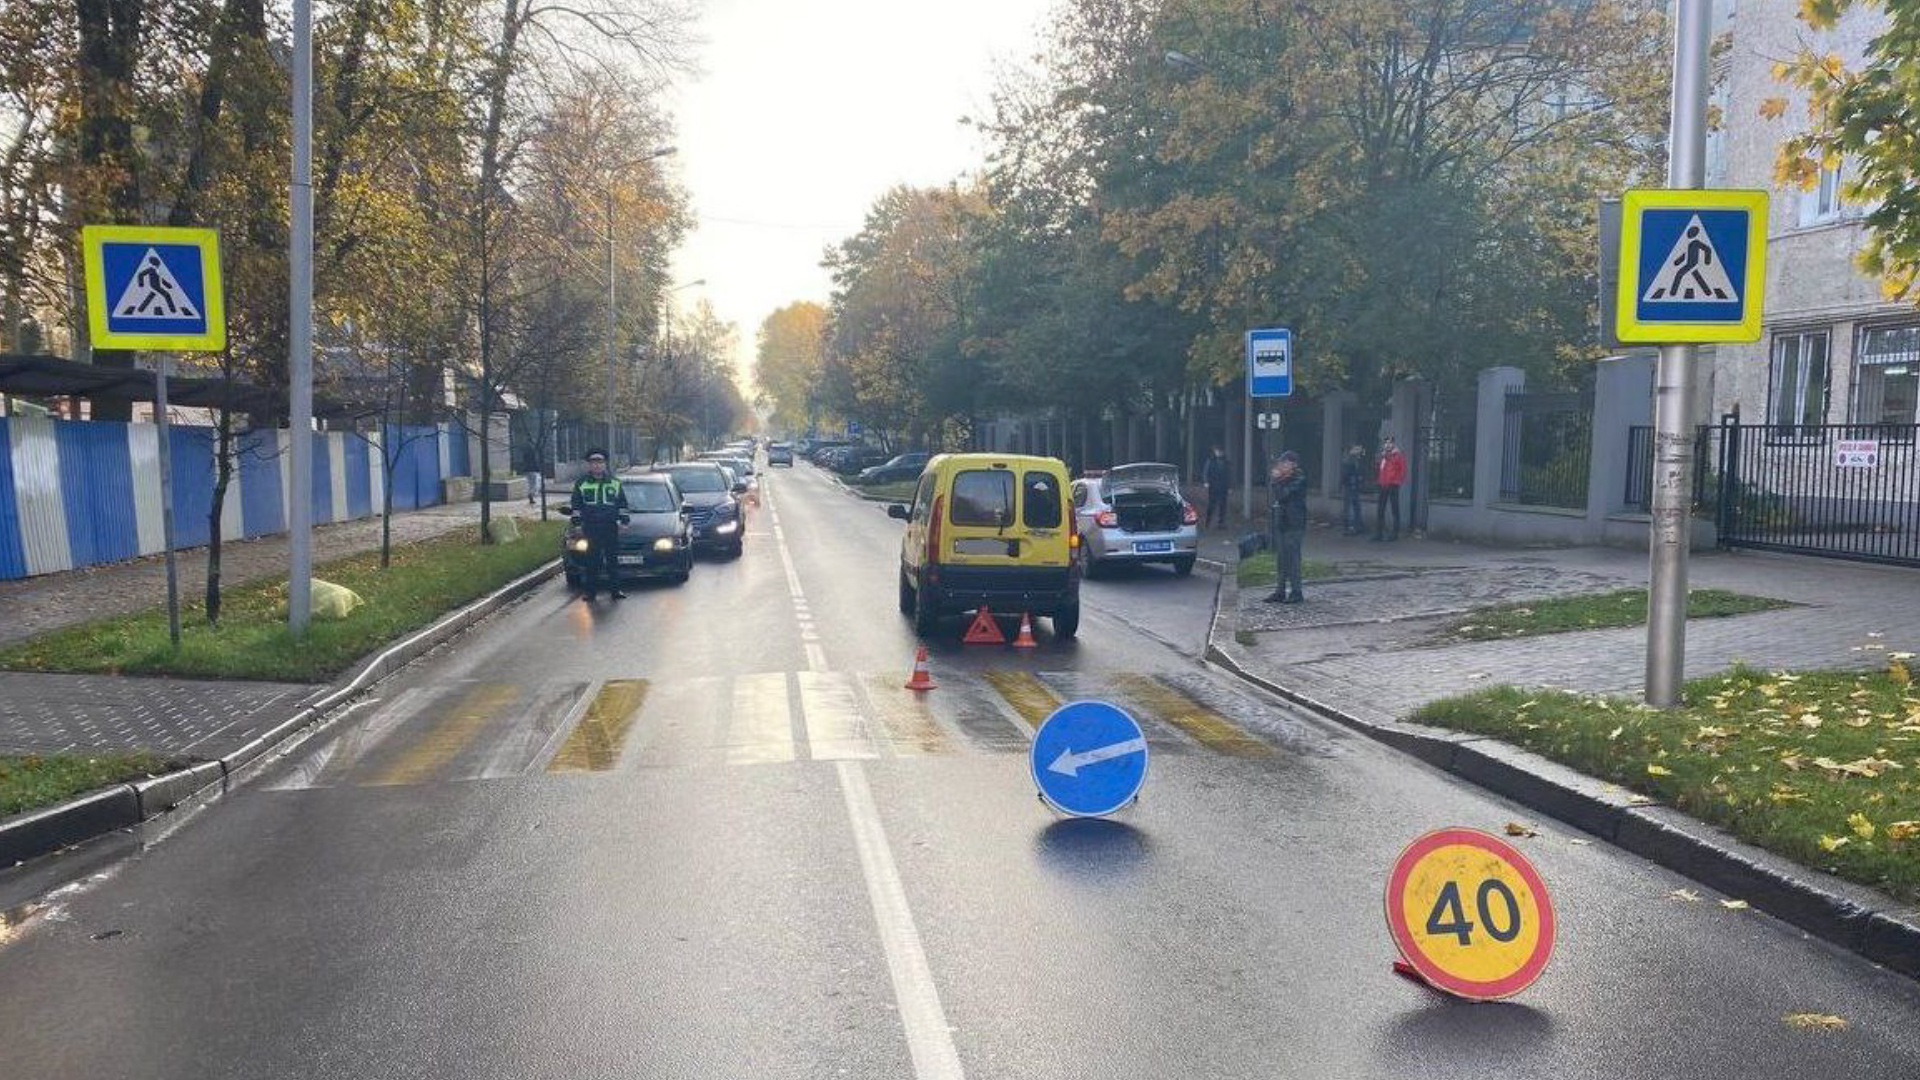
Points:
(1692, 266)
(150, 287)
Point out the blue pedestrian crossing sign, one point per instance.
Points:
(1089, 758)
(1270, 362)
(1692, 266)
(150, 287)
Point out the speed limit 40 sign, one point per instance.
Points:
(1470, 914)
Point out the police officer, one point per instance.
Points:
(601, 504)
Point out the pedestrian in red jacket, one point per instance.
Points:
(1392, 473)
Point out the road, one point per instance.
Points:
(705, 833)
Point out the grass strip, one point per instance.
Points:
(1822, 767)
(891, 491)
(1595, 611)
(29, 782)
(1260, 571)
(426, 580)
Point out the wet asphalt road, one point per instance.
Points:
(705, 833)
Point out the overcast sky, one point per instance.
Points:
(805, 111)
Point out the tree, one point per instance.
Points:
(789, 361)
(1869, 117)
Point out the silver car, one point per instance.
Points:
(1135, 513)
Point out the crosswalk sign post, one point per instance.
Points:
(1692, 264)
(157, 288)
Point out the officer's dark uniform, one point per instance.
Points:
(599, 504)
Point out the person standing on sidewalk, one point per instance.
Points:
(1392, 473)
(1217, 474)
(1287, 517)
(600, 502)
(1353, 472)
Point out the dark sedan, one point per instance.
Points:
(851, 461)
(902, 467)
(715, 511)
(656, 539)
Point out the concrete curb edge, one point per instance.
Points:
(1861, 920)
(48, 829)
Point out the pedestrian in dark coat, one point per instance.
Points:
(1287, 514)
(1217, 474)
(1353, 474)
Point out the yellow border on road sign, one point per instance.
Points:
(98, 303)
(1627, 328)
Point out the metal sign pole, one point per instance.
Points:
(1671, 511)
(166, 498)
(1246, 454)
(300, 315)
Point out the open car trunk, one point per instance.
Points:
(1145, 498)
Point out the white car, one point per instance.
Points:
(1134, 514)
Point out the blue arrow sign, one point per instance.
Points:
(1089, 758)
(1270, 362)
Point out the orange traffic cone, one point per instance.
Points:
(922, 678)
(1025, 640)
(984, 630)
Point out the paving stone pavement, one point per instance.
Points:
(1368, 645)
(63, 714)
(36, 605)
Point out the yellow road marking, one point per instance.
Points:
(1026, 693)
(596, 741)
(1212, 730)
(444, 741)
(911, 728)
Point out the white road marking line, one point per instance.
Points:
(929, 1039)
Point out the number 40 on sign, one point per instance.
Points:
(1469, 914)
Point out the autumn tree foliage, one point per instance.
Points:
(1410, 186)
(1868, 116)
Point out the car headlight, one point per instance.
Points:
(727, 527)
(664, 544)
(579, 544)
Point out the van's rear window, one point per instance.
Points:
(983, 497)
(1040, 501)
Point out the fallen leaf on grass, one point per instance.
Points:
(1903, 830)
(1815, 1021)
(1515, 828)
(1659, 770)
(1861, 825)
(1687, 895)
(1734, 905)
(1833, 843)
(1793, 761)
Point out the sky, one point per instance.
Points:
(804, 112)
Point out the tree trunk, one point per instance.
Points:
(222, 477)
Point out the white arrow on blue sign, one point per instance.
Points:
(1089, 758)
(1270, 362)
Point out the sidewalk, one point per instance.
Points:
(1365, 640)
(42, 713)
(36, 605)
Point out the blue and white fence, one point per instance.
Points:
(78, 493)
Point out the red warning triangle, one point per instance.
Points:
(984, 630)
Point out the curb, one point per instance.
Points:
(858, 494)
(51, 828)
(1854, 917)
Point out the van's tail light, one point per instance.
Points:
(935, 516)
(1188, 515)
(1073, 531)
(1106, 519)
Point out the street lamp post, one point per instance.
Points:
(300, 329)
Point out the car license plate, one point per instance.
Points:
(1152, 547)
(632, 560)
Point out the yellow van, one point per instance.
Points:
(992, 529)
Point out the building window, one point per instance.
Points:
(1798, 398)
(1822, 204)
(1887, 376)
